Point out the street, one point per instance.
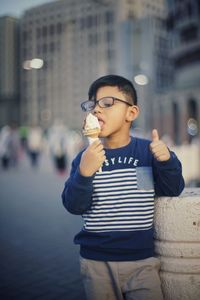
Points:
(38, 257)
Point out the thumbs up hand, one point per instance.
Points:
(158, 147)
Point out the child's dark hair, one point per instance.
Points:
(122, 83)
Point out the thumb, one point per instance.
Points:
(155, 135)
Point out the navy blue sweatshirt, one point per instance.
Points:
(117, 204)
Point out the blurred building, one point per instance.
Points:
(148, 63)
(78, 41)
(179, 109)
(9, 70)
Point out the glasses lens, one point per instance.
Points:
(88, 105)
(106, 102)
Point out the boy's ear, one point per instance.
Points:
(132, 113)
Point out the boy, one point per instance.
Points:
(117, 204)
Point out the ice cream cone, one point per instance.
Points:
(93, 133)
(92, 130)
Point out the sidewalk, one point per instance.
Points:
(39, 260)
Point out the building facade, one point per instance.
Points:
(9, 70)
(79, 41)
(179, 109)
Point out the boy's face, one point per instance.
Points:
(117, 118)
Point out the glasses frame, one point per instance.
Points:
(97, 102)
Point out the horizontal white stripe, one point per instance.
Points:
(117, 209)
(112, 193)
(118, 197)
(132, 170)
(136, 209)
(145, 217)
(119, 213)
(106, 205)
(128, 192)
(99, 223)
(114, 175)
(114, 178)
(115, 181)
(118, 188)
(120, 182)
(138, 193)
(119, 227)
(129, 228)
(128, 199)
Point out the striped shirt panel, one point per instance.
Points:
(117, 204)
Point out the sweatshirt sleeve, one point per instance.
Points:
(168, 177)
(77, 193)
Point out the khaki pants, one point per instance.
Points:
(130, 280)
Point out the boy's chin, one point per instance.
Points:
(103, 135)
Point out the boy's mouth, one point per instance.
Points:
(101, 123)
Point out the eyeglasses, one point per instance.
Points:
(104, 102)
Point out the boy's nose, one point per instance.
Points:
(97, 108)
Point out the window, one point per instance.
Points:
(44, 48)
(52, 29)
(52, 47)
(38, 33)
(59, 28)
(25, 36)
(38, 49)
(198, 5)
(92, 39)
(189, 33)
(44, 31)
(24, 52)
(176, 122)
(110, 54)
(89, 21)
(192, 109)
(82, 23)
(109, 36)
(189, 9)
(188, 59)
(109, 17)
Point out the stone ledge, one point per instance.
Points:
(177, 243)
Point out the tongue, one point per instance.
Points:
(101, 123)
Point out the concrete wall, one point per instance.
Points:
(177, 243)
(189, 155)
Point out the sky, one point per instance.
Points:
(16, 7)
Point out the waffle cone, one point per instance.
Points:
(93, 133)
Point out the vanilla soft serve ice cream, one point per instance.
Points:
(92, 127)
(91, 123)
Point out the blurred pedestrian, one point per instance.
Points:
(4, 146)
(14, 144)
(58, 143)
(34, 144)
(23, 134)
(9, 146)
